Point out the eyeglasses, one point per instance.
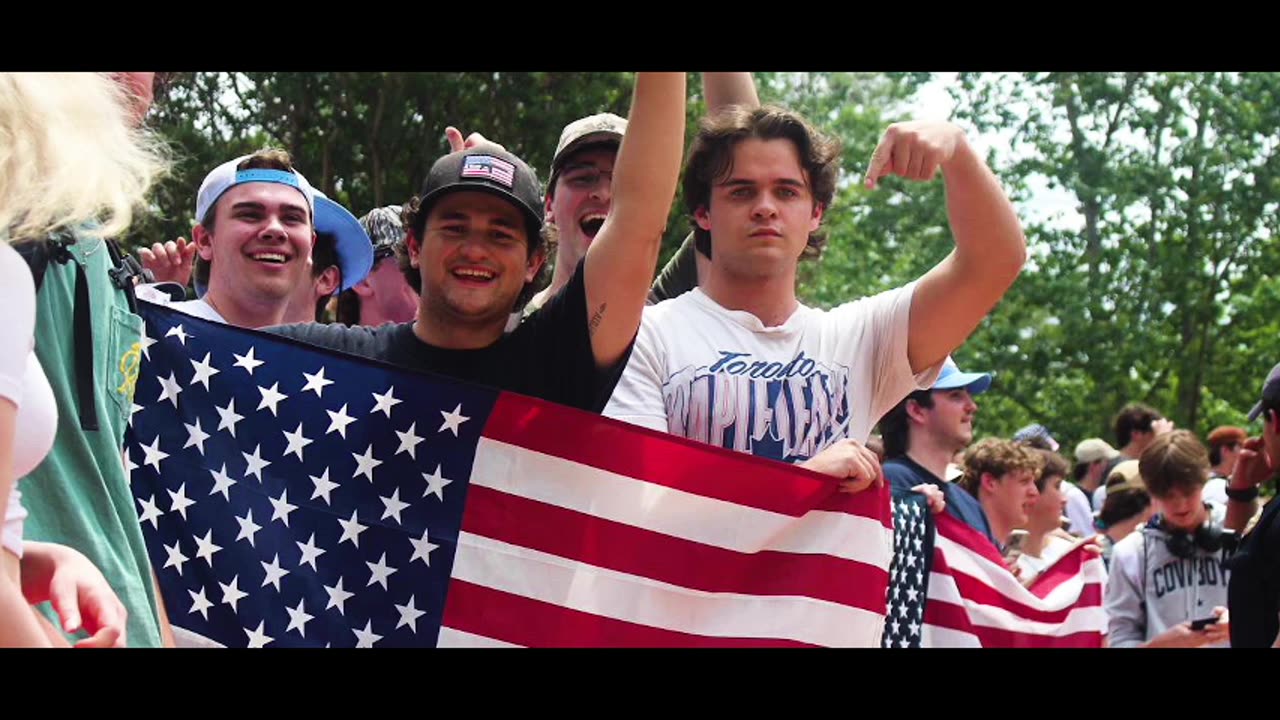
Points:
(585, 178)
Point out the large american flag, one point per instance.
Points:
(292, 496)
(950, 588)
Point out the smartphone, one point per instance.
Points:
(1203, 623)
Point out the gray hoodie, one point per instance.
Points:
(1150, 590)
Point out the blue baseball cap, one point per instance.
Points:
(950, 378)
(1036, 430)
(226, 176)
(351, 242)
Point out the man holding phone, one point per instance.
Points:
(1168, 581)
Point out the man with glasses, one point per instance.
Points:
(579, 191)
(384, 295)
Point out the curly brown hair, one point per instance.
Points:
(997, 456)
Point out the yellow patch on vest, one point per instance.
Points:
(129, 363)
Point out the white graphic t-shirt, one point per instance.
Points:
(721, 377)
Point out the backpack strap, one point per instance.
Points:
(55, 249)
(39, 253)
(126, 272)
(83, 324)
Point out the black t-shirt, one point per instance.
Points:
(678, 276)
(548, 356)
(1253, 593)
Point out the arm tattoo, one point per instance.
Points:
(595, 320)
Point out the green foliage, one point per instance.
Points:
(1163, 293)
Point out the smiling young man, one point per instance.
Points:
(1002, 475)
(475, 236)
(740, 363)
(579, 193)
(270, 246)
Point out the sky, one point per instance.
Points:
(1054, 206)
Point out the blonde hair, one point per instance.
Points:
(71, 153)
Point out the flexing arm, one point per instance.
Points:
(953, 297)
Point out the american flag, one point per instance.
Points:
(487, 166)
(291, 496)
(949, 588)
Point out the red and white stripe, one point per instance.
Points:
(584, 531)
(974, 601)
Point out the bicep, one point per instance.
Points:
(616, 280)
(949, 302)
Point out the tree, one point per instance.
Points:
(364, 139)
(1164, 294)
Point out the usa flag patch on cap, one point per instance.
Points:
(489, 167)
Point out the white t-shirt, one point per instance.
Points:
(23, 383)
(198, 307)
(1215, 491)
(1054, 548)
(1079, 510)
(722, 377)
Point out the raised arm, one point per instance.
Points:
(729, 88)
(618, 266)
(680, 274)
(953, 297)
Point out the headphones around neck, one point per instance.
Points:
(1183, 543)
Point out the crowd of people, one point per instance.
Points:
(717, 348)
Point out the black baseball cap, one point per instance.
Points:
(486, 168)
